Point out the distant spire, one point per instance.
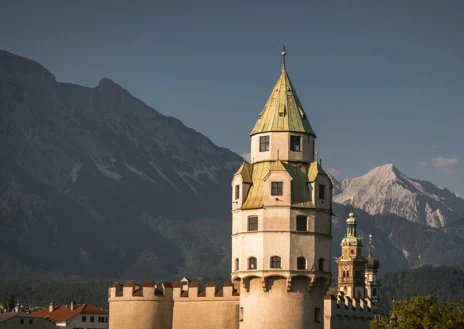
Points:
(370, 245)
(283, 58)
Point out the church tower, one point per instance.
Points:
(351, 263)
(372, 285)
(281, 219)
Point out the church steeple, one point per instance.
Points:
(351, 263)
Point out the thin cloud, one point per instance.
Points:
(334, 172)
(447, 165)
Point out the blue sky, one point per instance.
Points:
(381, 81)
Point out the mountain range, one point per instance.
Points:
(94, 182)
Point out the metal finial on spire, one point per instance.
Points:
(283, 57)
(370, 243)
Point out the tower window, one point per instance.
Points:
(321, 264)
(237, 192)
(237, 264)
(301, 263)
(374, 292)
(264, 143)
(252, 263)
(301, 223)
(317, 315)
(276, 188)
(295, 143)
(252, 223)
(321, 191)
(276, 262)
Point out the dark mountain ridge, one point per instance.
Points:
(94, 182)
(83, 168)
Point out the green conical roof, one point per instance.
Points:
(283, 110)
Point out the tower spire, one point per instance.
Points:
(283, 58)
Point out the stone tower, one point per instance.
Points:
(281, 220)
(372, 284)
(351, 280)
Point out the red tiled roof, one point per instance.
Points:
(176, 284)
(202, 293)
(148, 283)
(129, 283)
(167, 284)
(194, 284)
(228, 284)
(219, 293)
(138, 293)
(63, 313)
(184, 294)
(114, 284)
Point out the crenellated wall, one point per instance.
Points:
(172, 306)
(344, 312)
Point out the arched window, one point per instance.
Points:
(321, 264)
(237, 264)
(301, 263)
(276, 262)
(252, 263)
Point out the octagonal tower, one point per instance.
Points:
(281, 209)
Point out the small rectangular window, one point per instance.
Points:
(92, 319)
(237, 192)
(241, 314)
(295, 143)
(252, 223)
(301, 263)
(106, 320)
(30, 321)
(21, 321)
(317, 315)
(276, 188)
(84, 318)
(301, 223)
(322, 192)
(264, 143)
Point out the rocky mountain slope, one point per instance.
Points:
(385, 190)
(87, 174)
(93, 182)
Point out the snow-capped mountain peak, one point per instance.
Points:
(385, 189)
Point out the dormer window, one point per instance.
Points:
(264, 143)
(237, 192)
(276, 188)
(295, 143)
(321, 192)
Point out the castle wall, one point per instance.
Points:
(146, 306)
(173, 307)
(344, 312)
(277, 308)
(210, 309)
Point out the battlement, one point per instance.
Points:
(172, 291)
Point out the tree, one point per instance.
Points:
(425, 312)
(10, 303)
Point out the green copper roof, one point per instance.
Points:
(245, 171)
(283, 110)
(301, 198)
